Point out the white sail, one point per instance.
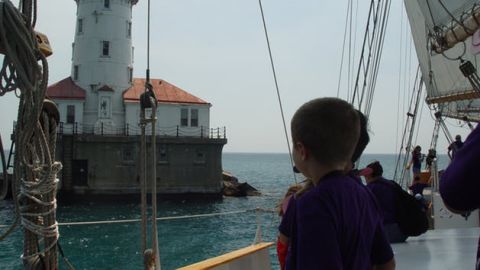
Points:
(450, 21)
(445, 83)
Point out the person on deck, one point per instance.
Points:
(416, 163)
(385, 194)
(282, 240)
(336, 222)
(455, 146)
(432, 155)
(459, 184)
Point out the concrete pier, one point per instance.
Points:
(109, 165)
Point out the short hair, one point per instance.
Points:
(377, 169)
(328, 127)
(364, 138)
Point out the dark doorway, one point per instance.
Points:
(80, 172)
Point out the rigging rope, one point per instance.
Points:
(34, 185)
(351, 45)
(350, 60)
(419, 122)
(379, 50)
(371, 52)
(400, 168)
(277, 88)
(149, 100)
(126, 221)
(399, 89)
(4, 191)
(343, 50)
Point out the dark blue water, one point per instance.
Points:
(184, 241)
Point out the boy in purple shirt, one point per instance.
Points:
(460, 185)
(335, 223)
(282, 241)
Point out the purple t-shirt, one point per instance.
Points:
(336, 225)
(385, 194)
(460, 183)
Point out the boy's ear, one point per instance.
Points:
(302, 151)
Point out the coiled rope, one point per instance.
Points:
(35, 170)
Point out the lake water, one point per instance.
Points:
(183, 241)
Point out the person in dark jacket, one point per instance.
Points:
(385, 194)
(455, 146)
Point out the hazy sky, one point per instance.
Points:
(216, 50)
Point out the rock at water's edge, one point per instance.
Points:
(232, 187)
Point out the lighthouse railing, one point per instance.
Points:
(103, 129)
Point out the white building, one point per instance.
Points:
(70, 100)
(178, 113)
(101, 96)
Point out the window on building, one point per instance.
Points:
(75, 72)
(130, 74)
(70, 114)
(162, 154)
(127, 153)
(105, 48)
(194, 118)
(73, 49)
(133, 54)
(129, 29)
(184, 117)
(79, 26)
(106, 3)
(200, 157)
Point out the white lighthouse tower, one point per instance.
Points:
(102, 61)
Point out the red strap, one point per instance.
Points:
(282, 249)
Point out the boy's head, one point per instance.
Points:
(372, 171)
(328, 128)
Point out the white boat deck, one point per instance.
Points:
(439, 249)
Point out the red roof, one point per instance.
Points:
(65, 89)
(164, 91)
